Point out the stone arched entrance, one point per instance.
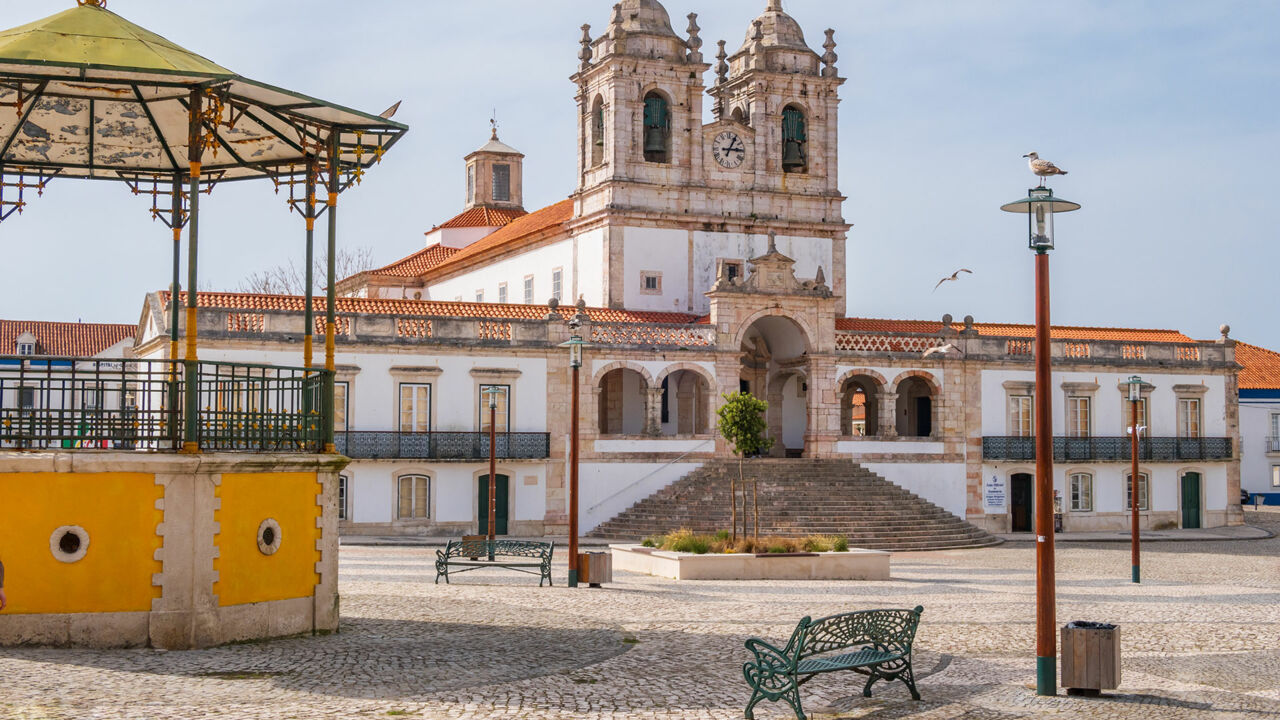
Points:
(774, 366)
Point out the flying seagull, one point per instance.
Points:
(954, 276)
(947, 349)
(1042, 168)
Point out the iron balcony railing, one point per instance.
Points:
(366, 445)
(1273, 444)
(1109, 449)
(126, 404)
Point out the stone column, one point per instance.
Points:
(653, 411)
(823, 430)
(773, 416)
(888, 414)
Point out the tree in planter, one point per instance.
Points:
(742, 425)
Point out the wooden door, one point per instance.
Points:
(1191, 500)
(1021, 502)
(500, 512)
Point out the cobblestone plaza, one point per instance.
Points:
(1201, 639)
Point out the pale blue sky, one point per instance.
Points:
(1165, 113)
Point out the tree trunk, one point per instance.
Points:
(755, 506)
(733, 503)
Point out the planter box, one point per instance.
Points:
(852, 565)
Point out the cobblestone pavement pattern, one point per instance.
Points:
(1201, 639)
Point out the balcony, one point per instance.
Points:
(442, 445)
(1273, 444)
(1110, 449)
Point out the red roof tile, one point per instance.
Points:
(63, 338)
(869, 325)
(548, 217)
(484, 217)
(417, 263)
(426, 308)
(1261, 367)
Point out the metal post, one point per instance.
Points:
(1135, 551)
(175, 309)
(191, 408)
(573, 482)
(308, 311)
(493, 468)
(330, 314)
(1046, 638)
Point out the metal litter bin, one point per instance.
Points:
(1090, 657)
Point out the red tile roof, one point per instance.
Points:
(417, 263)
(1261, 367)
(484, 217)
(63, 338)
(868, 325)
(425, 308)
(536, 222)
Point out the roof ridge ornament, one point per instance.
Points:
(93, 3)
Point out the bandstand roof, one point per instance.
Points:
(86, 93)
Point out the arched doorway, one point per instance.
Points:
(774, 368)
(623, 403)
(860, 407)
(915, 408)
(685, 403)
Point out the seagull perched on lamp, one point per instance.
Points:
(1042, 168)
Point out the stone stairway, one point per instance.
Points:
(800, 497)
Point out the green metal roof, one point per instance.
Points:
(96, 37)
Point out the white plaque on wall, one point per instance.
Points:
(993, 495)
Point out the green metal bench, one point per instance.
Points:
(529, 556)
(880, 641)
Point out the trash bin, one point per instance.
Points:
(1090, 657)
(595, 568)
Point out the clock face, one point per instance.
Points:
(728, 150)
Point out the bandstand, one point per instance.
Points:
(173, 503)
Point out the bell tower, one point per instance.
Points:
(640, 108)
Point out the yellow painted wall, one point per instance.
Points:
(118, 512)
(245, 575)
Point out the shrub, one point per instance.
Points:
(686, 541)
(649, 543)
(841, 544)
(778, 547)
(722, 535)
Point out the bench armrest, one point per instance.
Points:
(771, 672)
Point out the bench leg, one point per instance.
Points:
(910, 680)
(756, 697)
(793, 699)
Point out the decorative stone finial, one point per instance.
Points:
(694, 43)
(757, 35)
(553, 308)
(968, 323)
(829, 59)
(773, 242)
(616, 29)
(93, 3)
(946, 321)
(585, 54)
(493, 126)
(1226, 331)
(581, 304)
(774, 6)
(722, 66)
(820, 279)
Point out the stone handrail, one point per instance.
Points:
(1022, 349)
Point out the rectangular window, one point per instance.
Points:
(1275, 476)
(343, 489)
(415, 408)
(733, 270)
(479, 296)
(340, 407)
(666, 400)
(1081, 492)
(528, 289)
(1143, 419)
(502, 412)
(1189, 417)
(471, 184)
(1078, 416)
(557, 283)
(1021, 415)
(26, 398)
(502, 293)
(26, 348)
(91, 398)
(1144, 495)
(650, 283)
(415, 497)
(501, 183)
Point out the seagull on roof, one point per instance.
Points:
(948, 349)
(954, 276)
(1042, 168)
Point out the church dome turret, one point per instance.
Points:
(777, 30)
(646, 16)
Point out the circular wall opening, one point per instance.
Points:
(69, 543)
(269, 537)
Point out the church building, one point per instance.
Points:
(700, 256)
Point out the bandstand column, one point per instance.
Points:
(330, 314)
(191, 393)
(308, 311)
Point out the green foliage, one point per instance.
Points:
(841, 544)
(685, 541)
(742, 423)
(649, 543)
(778, 548)
(722, 535)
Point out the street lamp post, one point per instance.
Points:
(575, 346)
(492, 392)
(1135, 396)
(1040, 206)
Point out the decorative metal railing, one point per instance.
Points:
(1273, 444)
(127, 404)
(1109, 449)
(366, 445)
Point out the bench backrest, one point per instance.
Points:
(506, 548)
(890, 631)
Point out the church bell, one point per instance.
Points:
(655, 141)
(792, 155)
